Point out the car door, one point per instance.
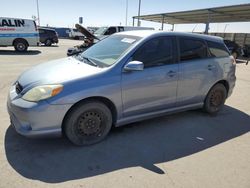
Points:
(197, 71)
(153, 88)
(42, 35)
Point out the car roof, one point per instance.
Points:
(48, 29)
(148, 33)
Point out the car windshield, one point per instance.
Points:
(106, 52)
(100, 31)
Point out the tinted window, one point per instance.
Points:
(156, 52)
(191, 49)
(217, 49)
(110, 31)
(121, 29)
(41, 31)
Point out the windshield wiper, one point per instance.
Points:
(89, 61)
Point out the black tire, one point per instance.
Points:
(88, 123)
(20, 45)
(48, 42)
(215, 99)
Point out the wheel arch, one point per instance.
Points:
(20, 39)
(101, 99)
(223, 82)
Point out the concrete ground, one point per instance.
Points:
(189, 149)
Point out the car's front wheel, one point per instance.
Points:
(215, 99)
(88, 123)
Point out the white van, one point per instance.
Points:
(19, 33)
(102, 31)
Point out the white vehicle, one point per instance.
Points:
(75, 34)
(19, 33)
(109, 30)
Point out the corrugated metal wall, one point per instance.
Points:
(239, 38)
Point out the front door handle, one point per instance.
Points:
(171, 73)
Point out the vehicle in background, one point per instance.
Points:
(246, 50)
(234, 48)
(105, 31)
(92, 29)
(89, 40)
(100, 34)
(18, 32)
(127, 77)
(48, 36)
(75, 34)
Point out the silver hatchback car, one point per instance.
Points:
(127, 77)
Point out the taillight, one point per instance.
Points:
(233, 61)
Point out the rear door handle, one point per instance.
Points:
(211, 67)
(171, 73)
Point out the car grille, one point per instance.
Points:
(19, 88)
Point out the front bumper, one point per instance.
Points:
(35, 119)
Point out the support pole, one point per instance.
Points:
(133, 21)
(139, 13)
(208, 22)
(172, 27)
(38, 15)
(162, 22)
(126, 20)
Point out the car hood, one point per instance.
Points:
(56, 72)
(86, 32)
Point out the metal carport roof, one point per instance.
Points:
(235, 13)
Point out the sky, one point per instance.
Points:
(62, 13)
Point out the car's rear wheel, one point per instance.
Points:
(48, 42)
(88, 123)
(215, 99)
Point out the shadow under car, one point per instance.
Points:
(139, 144)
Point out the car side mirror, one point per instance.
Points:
(134, 66)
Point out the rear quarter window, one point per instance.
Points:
(217, 49)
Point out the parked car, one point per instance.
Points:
(234, 48)
(48, 36)
(18, 32)
(89, 40)
(99, 34)
(109, 30)
(127, 77)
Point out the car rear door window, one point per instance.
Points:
(191, 49)
(217, 49)
(156, 52)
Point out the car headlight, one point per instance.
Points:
(42, 92)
